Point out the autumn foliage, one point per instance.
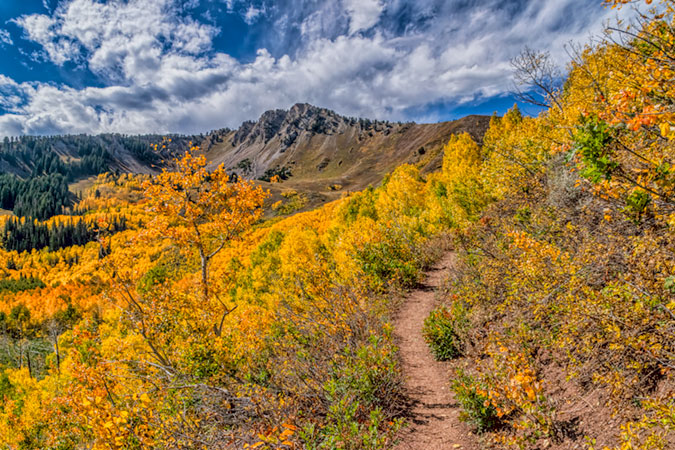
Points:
(202, 326)
(205, 325)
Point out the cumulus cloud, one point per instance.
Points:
(374, 58)
(119, 39)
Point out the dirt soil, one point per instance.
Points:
(434, 413)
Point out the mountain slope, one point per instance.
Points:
(310, 143)
(317, 152)
(321, 148)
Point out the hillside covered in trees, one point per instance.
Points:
(80, 156)
(194, 319)
(36, 171)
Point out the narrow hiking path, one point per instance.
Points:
(434, 420)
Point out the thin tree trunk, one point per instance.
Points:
(58, 355)
(205, 275)
(30, 369)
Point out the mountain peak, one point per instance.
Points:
(302, 107)
(287, 125)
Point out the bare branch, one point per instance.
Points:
(537, 80)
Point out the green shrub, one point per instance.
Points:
(345, 430)
(363, 394)
(441, 334)
(593, 139)
(476, 406)
(390, 261)
(636, 205)
(368, 374)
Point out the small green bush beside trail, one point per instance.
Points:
(440, 332)
(476, 406)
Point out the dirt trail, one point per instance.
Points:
(434, 417)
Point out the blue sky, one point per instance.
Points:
(141, 66)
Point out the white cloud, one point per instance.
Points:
(120, 39)
(252, 14)
(162, 74)
(42, 29)
(5, 38)
(363, 14)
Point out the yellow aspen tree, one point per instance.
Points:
(202, 210)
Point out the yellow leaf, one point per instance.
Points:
(665, 129)
(530, 393)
